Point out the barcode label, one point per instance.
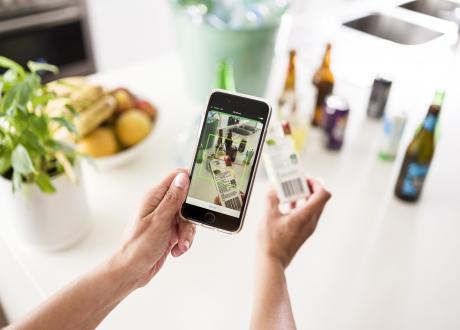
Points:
(292, 187)
(233, 203)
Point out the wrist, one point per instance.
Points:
(115, 271)
(270, 260)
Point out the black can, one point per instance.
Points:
(379, 96)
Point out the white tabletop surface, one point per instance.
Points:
(374, 262)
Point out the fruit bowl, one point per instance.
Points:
(112, 127)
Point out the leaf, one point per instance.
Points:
(25, 91)
(64, 122)
(55, 145)
(43, 181)
(10, 64)
(72, 110)
(21, 161)
(31, 142)
(35, 67)
(8, 99)
(39, 125)
(5, 161)
(17, 181)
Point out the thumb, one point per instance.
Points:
(174, 197)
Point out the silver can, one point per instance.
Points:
(393, 129)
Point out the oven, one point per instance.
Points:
(51, 31)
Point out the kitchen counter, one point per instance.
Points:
(374, 262)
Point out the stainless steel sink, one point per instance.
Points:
(444, 9)
(393, 29)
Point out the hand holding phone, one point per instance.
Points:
(226, 159)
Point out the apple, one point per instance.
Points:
(101, 142)
(146, 107)
(125, 100)
(132, 126)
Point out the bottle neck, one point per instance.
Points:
(327, 58)
(431, 119)
(289, 84)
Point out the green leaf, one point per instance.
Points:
(40, 125)
(64, 122)
(17, 181)
(43, 181)
(9, 99)
(21, 161)
(24, 93)
(5, 160)
(72, 110)
(35, 67)
(31, 142)
(59, 146)
(10, 64)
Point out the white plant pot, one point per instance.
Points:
(48, 222)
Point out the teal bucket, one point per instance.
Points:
(203, 46)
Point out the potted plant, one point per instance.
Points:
(40, 191)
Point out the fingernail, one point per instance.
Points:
(185, 246)
(181, 180)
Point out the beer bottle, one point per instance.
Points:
(323, 80)
(419, 154)
(287, 103)
(225, 76)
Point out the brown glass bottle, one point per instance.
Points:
(419, 154)
(287, 103)
(323, 80)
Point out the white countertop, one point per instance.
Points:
(374, 262)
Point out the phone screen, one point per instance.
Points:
(225, 160)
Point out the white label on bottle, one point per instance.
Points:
(283, 167)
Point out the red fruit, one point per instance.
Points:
(147, 107)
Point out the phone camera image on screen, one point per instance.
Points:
(224, 161)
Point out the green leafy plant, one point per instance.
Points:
(29, 151)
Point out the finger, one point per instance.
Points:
(315, 202)
(273, 204)
(319, 193)
(186, 235)
(174, 197)
(155, 195)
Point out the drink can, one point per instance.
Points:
(335, 119)
(393, 129)
(379, 96)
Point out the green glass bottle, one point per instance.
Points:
(225, 76)
(419, 154)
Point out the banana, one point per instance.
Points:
(85, 96)
(65, 86)
(95, 114)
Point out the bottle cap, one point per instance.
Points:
(439, 97)
(286, 127)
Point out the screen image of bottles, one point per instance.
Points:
(224, 160)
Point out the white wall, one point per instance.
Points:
(125, 31)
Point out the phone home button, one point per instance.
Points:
(209, 217)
